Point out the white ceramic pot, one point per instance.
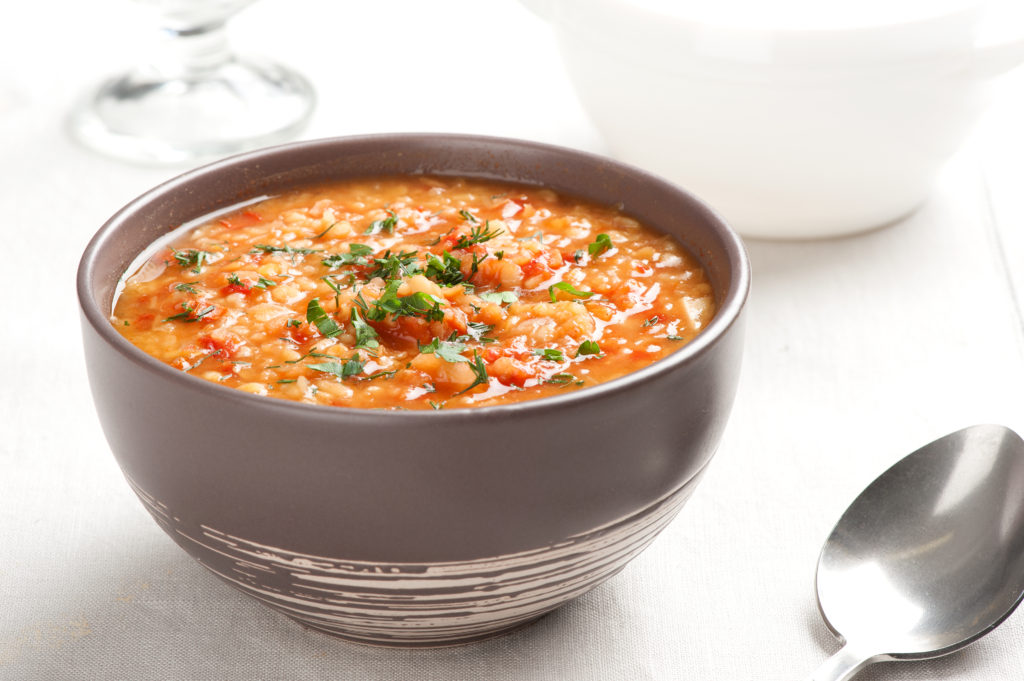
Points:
(828, 125)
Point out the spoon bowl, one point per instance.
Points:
(930, 556)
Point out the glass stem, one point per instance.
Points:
(199, 50)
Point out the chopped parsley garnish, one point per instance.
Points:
(564, 379)
(435, 405)
(673, 337)
(192, 258)
(651, 321)
(334, 287)
(262, 283)
(315, 315)
(311, 353)
(351, 367)
(475, 265)
(186, 287)
(293, 323)
(385, 225)
(602, 243)
(356, 256)
(478, 330)
(477, 235)
(190, 315)
(286, 380)
(446, 270)
(550, 354)
(568, 288)
(499, 254)
(588, 347)
(381, 374)
(418, 304)
(437, 240)
(466, 215)
(394, 265)
(499, 297)
(479, 372)
(288, 250)
(449, 351)
(366, 335)
(323, 233)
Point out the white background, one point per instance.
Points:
(859, 350)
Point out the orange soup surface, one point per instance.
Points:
(415, 293)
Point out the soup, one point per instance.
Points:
(415, 293)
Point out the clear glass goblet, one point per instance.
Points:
(197, 101)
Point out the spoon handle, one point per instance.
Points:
(844, 664)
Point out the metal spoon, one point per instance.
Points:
(930, 557)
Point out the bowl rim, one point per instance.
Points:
(728, 312)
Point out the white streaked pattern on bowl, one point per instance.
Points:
(429, 604)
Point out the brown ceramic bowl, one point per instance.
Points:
(413, 528)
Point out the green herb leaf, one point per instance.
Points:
(293, 323)
(316, 315)
(550, 354)
(418, 304)
(394, 265)
(588, 347)
(186, 287)
(192, 258)
(190, 314)
(323, 233)
(446, 270)
(352, 367)
(385, 225)
(500, 297)
(466, 215)
(477, 235)
(366, 335)
(381, 374)
(288, 250)
(357, 255)
(479, 371)
(602, 243)
(478, 330)
(568, 288)
(651, 321)
(673, 337)
(561, 379)
(449, 351)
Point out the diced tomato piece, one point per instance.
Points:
(225, 346)
(235, 288)
(246, 218)
(144, 321)
(303, 333)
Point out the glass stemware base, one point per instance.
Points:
(235, 105)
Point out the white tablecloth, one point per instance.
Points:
(859, 350)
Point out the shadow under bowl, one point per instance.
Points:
(413, 528)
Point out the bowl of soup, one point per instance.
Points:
(413, 390)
